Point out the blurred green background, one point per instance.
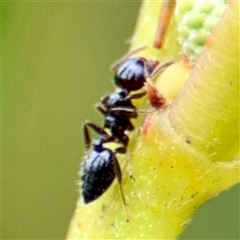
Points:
(55, 67)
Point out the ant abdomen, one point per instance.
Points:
(98, 173)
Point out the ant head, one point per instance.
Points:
(131, 75)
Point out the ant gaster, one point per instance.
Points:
(100, 166)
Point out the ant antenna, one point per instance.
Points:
(115, 65)
(165, 16)
(158, 69)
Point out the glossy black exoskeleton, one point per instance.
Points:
(117, 107)
(131, 75)
(101, 166)
(118, 110)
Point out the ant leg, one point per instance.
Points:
(127, 112)
(136, 96)
(121, 150)
(165, 16)
(101, 109)
(86, 135)
(104, 100)
(120, 61)
(118, 174)
(97, 129)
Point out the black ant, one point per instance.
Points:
(100, 164)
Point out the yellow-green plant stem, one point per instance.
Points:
(207, 111)
(185, 154)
